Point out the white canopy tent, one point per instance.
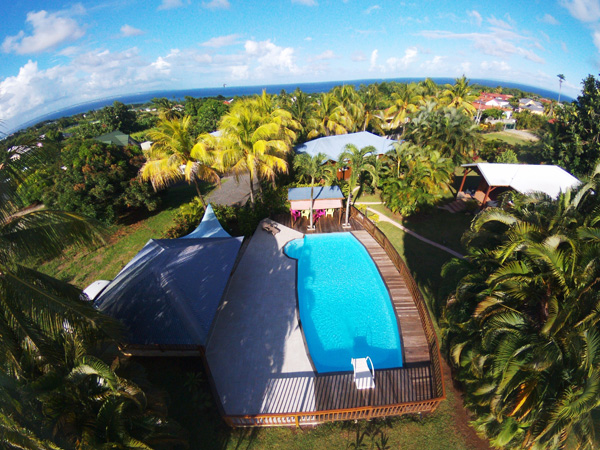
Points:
(523, 178)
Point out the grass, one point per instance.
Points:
(83, 267)
(509, 138)
(369, 198)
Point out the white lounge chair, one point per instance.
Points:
(364, 377)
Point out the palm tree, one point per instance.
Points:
(302, 108)
(313, 168)
(359, 162)
(522, 325)
(330, 117)
(460, 96)
(175, 155)
(561, 78)
(254, 143)
(406, 102)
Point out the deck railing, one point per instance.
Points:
(430, 334)
(317, 417)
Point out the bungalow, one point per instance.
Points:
(332, 146)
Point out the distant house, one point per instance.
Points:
(146, 145)
(533, 106)
(117, 138)
(498, 103)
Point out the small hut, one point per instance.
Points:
(326, 200)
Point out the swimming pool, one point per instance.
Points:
(345, 308)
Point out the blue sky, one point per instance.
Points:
(53, 55)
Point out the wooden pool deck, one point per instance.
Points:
(305, 397)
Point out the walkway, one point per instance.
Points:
(256, 346)
(384, 218)
(232, 192)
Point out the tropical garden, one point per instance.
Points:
(517, 315)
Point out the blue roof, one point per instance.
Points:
(320, 193)
(332, 146)
(168, 294)
(209, 227)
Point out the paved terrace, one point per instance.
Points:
(257, 355)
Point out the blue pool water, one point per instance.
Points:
(345, 308)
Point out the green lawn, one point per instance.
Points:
(83, 267)
(509, 138)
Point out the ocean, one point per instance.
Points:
(232, 91)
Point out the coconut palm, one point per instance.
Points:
(359, 162)
(406, 102)
(302, 108)
(314, 169)
(460, 96)
(330, 117)
(253, 143)
(447, 130)
(522, 325)
(174, 156)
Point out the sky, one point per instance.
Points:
(54, 55)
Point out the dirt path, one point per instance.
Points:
(524, 134)
(232, 191)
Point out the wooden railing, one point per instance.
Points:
(317, 417)
(430, 334)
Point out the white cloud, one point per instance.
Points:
(327, 54)
(31, 88)
(549, 19)
(476, 17)
(370, 9)
(373, 60)
(437, 63)
(596, 37)
(240, 72)
(583, 10)
(216, 4)
(499, 23)
(498, 42)
(306, 2)
(221, 41)
(128, 30)
(396, 64)
(170, 4)
(564, 47)
(49, 31)
(308, 38)
(271, 58)
(495, 66)
(358, 56)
